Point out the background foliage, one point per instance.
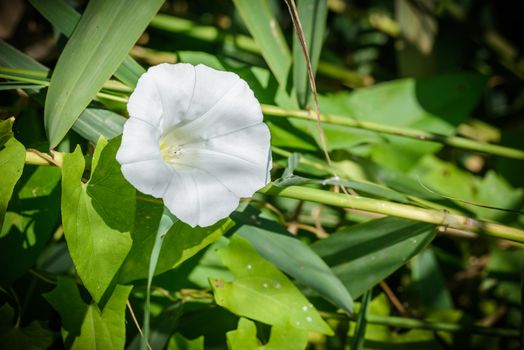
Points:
(421, 104)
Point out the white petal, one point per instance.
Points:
(198, 198)
(163, 94)
(239, 160)
(211, 86)
(140, 141)
(236, 110)
(150, 176)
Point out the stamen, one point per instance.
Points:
(171, 153)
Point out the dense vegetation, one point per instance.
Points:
(393, 219)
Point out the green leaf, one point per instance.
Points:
(179, 342)
(404, 102)
(262, 292)
(294, 258)
(97, 216)
(364, 254)
(65, 18)
(448, 180)
(94, 123)
(210, 265)
(30, 221)
(284, 337)
(180, 243)
(12, 158)
(429, 282)
(313, 15)
(504, 272)
(266, 31)
(97, 46)
(31, 337)
(85, 326)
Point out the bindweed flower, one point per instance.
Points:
(195, 138)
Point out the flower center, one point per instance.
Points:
(170, 153)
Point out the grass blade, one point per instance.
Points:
(265, 30)
(166, 222)
(357, 342)
(313, 15)
(97, 46)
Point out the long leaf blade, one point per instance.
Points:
(65, 18)
(364, 254)
(97, 46)
(265, 30)
(293, 257)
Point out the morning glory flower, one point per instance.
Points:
(195, 138)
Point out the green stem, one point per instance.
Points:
(411, 323)
(437, 217)
(455, 141)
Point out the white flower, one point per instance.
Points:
(195, 138)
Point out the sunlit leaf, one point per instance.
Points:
(404, 102)
(282, 337)
(97, 216)
(294, 258)
(262, 292)
(179, 342)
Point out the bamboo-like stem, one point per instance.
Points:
(342, 200)
(455, 141)
(35, 157)
(437, 217)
